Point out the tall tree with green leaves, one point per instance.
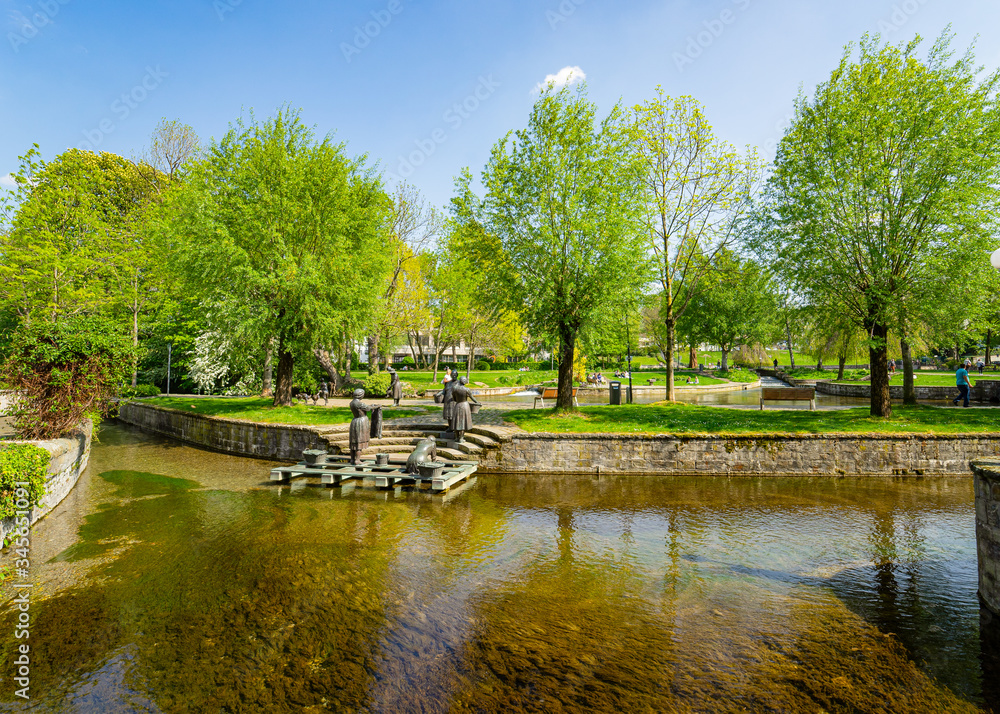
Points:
(65, 217)
(887, 177)
(282, 235)
(698, 193)
(735, 307)
(561, 225)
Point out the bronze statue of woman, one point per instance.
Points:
(361, 428)
(395, 391)
(450, 382)
(461, 415)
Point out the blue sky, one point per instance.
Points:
(424, 87)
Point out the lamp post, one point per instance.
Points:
(628, 349)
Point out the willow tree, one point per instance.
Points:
(886, 179)
(561, 229)
(281, 236)
(698, 193)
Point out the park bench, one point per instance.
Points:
(789, 394)
(551, 393)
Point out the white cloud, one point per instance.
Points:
(7, 181)
(562, 78)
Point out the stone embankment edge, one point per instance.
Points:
(68, 457)
(982, 391)
(279, 442)
(666, 454)
(743, 454)
(647, 388)
(986, 473)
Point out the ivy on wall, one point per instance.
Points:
(23, 472)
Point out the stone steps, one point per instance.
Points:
(401, 440)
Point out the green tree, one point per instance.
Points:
(698, 193)
(66, 217)
(886, 178)
(735, 306)
(561, 230)
(281, 234)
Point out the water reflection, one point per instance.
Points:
(189, 584)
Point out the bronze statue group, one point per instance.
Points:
(457, 411)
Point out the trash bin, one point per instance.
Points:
(616, 393)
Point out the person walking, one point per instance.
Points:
(963, 384)
(980, 365)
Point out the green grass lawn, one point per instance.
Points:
(781, 355)
(261, 410)
(495, 378)
(932, 379)
(421, 381)
(693, 419)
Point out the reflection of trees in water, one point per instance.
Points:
(281, 610)
(261, 603)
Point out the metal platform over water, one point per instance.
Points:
(336, 469)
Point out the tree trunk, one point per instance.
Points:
(135, 345)
(788, 338)
(373, 354)
(283, 388)
(348, 356)
(878, 354)
(268, 370)
(330, 367)
(909, 393)
(989, 340)
(468, 364)
(671, 346)
(724, 362)
(564, 398)
(819, 363)
(841, 362)
(692, 357)
(413, 351)
(956, 350)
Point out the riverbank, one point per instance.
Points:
(538, 447)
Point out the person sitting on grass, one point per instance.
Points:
(696, 379)
(963, 384)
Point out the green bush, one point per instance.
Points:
(738, 375)
(140, 390)
(67, 372)
(376, 385)
(23, 471)
(482, 366)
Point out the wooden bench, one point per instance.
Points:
(551, 393)
(789, 394)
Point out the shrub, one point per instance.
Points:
(376, 385)
(482, 366)
(23, 472)
(141, 390)
(64, 373)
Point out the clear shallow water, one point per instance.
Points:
(177, 580)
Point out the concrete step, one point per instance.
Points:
(484, 441)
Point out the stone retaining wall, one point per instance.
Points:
(984, 391)
(522, 452)
(266, 441)
(756, 455)
(987, 488)
(69, 457)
